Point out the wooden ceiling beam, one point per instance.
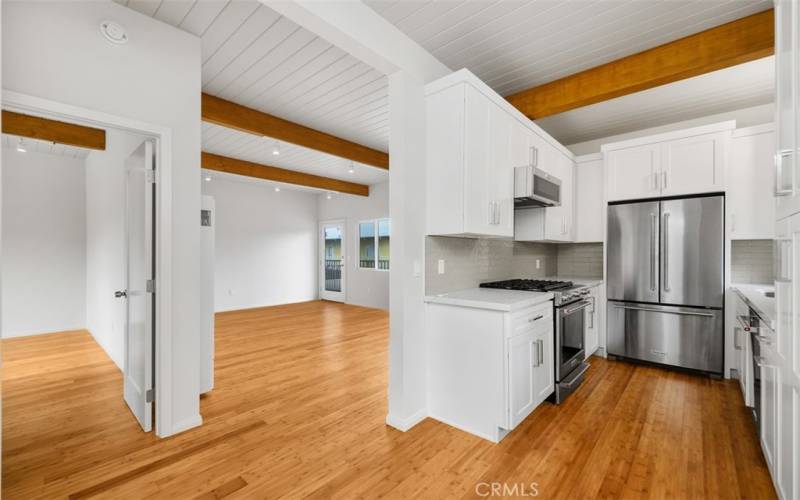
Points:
(46, 129)
(229, 114)
(219, 163)
(736, 42)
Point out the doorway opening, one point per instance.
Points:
(79, 233)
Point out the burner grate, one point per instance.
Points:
(529, 285)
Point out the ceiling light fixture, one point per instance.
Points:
(352, 168)
(329, 196)
(277, 189)
(276, 149)
(114, 32)
(21, 146)
(208, 178)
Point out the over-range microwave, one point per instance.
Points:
(533, 187)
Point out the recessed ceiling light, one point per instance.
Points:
(329, 196)
(21, 146)
(208, 178)
(276, 149)
(114, 32)
(277, 189)
(352, 168)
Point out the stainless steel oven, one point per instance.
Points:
(570, 347)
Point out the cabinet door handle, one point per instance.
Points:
(737, 335)
(541, 351)
(535, 156)
(780, 190)
(535, 345)
(664, 180)
(654, 181)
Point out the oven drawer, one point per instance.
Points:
(678, 336)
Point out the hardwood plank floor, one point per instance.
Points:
(299, 408)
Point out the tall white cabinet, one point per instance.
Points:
(751, 181)
(780, 381)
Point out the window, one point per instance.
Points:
(373, 244)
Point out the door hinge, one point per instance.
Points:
(151, 286)
(149, 395)
(151, 176)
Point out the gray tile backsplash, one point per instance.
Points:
(470, 262)
(751, 261)
(580, 260)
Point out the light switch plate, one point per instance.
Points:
(538, 264)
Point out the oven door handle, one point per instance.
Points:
(649, 309)
(583, 304)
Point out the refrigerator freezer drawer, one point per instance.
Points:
(677, 336)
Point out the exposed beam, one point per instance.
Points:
(736, 42)
(219, 163)
(53, 131)
(232, 115)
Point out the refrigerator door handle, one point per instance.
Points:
(665, 253)
(665, 311)
(653, 223)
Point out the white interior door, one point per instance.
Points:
(332, 261)
(139, 327)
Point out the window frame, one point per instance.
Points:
(376, 240)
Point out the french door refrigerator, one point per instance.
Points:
(665, 281)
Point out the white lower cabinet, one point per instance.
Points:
(488, 369)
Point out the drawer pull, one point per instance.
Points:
(537, 318)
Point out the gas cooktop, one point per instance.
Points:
(529, 285)
(564, 292)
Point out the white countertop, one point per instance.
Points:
(488, 298)
(578, 281)
(754, 296)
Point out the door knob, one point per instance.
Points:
(120, 293)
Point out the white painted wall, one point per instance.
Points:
(745, 117)
(364, 287)
(44, 243)
(265, 244)
(105, 242)
(154, 79)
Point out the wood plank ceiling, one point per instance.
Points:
(39, 146)
(514, 45)
(256, 58)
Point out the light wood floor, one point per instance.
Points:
(299, 410)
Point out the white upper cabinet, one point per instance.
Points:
(633, 172)
(470, 166)
(693, 165)
(475, 139)
(677, 163)
(589, 206)
(751, 183)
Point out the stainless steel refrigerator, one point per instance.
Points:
(665, 275)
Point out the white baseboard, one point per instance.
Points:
(404, 424)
